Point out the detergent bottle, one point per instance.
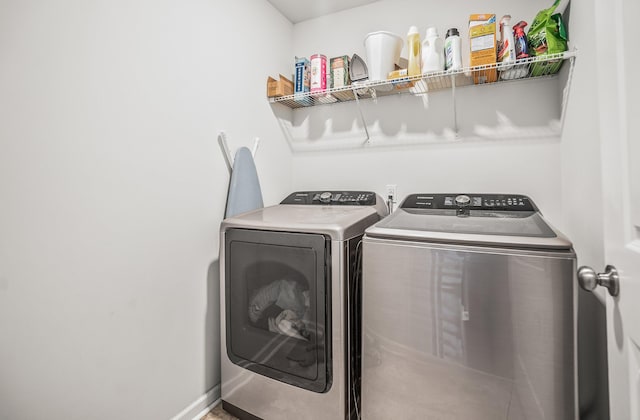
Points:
(432, 52)
(414, 52)
(452, 50)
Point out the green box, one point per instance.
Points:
(339, 71)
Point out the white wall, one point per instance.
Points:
(582, 206)
(112, 187)
(529, 166)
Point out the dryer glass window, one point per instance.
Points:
(277, 304)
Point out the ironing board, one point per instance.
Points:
(244, 187)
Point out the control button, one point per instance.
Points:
(462, 200)
(325, 197)
(448, 201)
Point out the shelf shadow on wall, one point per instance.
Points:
(529, 108)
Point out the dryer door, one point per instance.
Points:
(277, 305)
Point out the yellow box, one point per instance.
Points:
(482, 41)
(399, 79)
(280, 87)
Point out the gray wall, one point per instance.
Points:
(112, 188)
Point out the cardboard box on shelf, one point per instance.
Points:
(482, 39)
(303, 75)
(339, 71)
(282, 87)
(400, 79)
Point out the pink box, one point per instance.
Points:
(318, 73)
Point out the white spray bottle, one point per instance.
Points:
(507, 49)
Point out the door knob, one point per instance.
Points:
(589, 279)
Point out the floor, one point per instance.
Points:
(217, 413)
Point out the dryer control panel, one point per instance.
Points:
(494, 202)
(334, 198)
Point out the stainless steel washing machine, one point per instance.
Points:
(469, 312)
(290, 306)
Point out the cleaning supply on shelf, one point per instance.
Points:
(506, 49)
(432, 52)
(452, 50)
(548, 35)
(522, 49)
(339, 71)
(318, 73)
(507, 52)
(482, 40)
(400, 79)
(302, 79)
(414, 52)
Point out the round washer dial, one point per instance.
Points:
(462, 200)
(325, 197)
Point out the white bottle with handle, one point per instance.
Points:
(432, 52)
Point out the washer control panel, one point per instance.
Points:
(495, 202)
(334, 198)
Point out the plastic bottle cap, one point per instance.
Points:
(413, 30)
(432, 32)
(452, 32)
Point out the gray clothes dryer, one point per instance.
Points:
(290, 306)
(469, 312)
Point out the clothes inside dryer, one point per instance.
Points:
(282, 307)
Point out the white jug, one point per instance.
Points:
(383, 52)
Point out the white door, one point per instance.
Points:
(618, 97)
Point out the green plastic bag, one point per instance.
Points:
(548, 35)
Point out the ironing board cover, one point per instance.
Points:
(244, 187)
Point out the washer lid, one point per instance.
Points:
(484, 219)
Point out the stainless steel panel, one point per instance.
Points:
(270, 399)
(467, 332)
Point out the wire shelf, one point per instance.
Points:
(527, 68)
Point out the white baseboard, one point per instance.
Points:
(201, 406)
